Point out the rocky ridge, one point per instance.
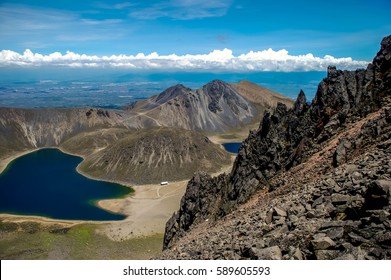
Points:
(216, 107)
(312, 182)
(26, 129)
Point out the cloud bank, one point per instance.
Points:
(217, 60)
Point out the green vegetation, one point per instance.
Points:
(31, 240)
(86, 143)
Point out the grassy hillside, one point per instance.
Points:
(155, 155)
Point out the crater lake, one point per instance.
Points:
(46, 183)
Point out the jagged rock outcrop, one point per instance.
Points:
(343, 214)
(295, 151)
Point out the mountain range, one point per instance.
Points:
(130, 145)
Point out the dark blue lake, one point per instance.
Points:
(46, 183)
(232, 147)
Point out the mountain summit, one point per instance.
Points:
(313, 182)
(216, 107)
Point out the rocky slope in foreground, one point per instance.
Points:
(313, 182)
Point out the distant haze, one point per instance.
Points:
(27, 87)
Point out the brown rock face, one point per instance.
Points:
(293, 154)
(216, 107)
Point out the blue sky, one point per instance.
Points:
(339, 29)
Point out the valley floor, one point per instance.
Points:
(147, 210)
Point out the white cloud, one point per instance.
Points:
(217, 60)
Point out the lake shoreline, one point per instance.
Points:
(139, 207)
(5, 163)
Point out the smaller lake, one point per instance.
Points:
(232, 147)
(46, 183)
